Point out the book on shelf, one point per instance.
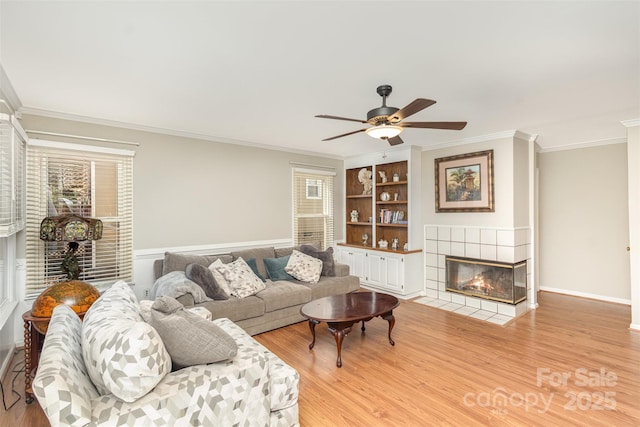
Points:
(388, 216)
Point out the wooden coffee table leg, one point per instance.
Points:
(392, 321)
(312, 326)
(339, 330)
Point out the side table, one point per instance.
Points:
(35, 329)
(32, 345)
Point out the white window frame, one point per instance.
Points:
(327, 195)
(37, 272)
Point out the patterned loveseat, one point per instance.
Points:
(254, 387)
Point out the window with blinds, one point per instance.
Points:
(87, 181)
(12, 173)
(313, 207)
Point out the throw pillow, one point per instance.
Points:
(304, 267)
(204, 277)
(175, 285)
(251, 262)
(275, 268)
(219, 277)
(242, 281)
(179, 262)
(123, 355)
(328, 262)
(190, 339)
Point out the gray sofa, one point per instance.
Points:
(276, 306)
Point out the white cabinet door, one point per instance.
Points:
(377, 269)
(358, 264)
(356, 260)
(395, 272)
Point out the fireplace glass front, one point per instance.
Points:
(492, 280)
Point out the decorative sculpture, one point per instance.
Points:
(383, 176)
(395, 243)
(354, 216)
(365, 239)
(364, 176)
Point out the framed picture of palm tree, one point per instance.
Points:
(464, 183)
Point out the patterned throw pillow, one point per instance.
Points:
(204, 277)
(124, 355)
(328, 263)
(304, 267)
(219, 277)
(242, 281)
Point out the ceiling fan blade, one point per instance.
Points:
(417, 105)
(324, 116)
(344, 134)
(434, 125)
(396, 140)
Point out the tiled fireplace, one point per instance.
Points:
(492, 280)
(503, 246)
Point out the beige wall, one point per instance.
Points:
(584, 221)
(190, 192)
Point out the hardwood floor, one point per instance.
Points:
(572, 361)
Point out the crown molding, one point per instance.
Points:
(587, 144)
(513, 133)
(170, 132)
(631, 123)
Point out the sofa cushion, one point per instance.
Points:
(190, 339)
(179, 262)
(280, 252)
(235, 308)
(175, 285)
(283, 294)
(332, 286)
(328, 262)
(258, 254)
(204, 277)
(123, 354)
(242, 281)
(275, 268)
(304, 267)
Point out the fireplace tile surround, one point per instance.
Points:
(507, 245)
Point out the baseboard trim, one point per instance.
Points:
(586, 295)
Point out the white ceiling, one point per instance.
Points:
(258, 72)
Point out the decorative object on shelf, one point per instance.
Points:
(385, 196)
(383, 176)
(383, 244)
(354, 216)
(395, 196)
(396, 177)
(464, 183)
(365, 178)
(406, 246)
(365, 239)
(395, 243)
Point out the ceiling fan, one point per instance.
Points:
(387, 122)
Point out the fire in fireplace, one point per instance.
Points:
(492, 280)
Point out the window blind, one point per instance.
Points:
(313, 207)
(12, 176)
(87, 181)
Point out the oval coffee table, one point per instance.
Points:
(340, 312)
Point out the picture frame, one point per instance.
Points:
(464, 183)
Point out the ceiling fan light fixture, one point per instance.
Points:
(384, 131)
